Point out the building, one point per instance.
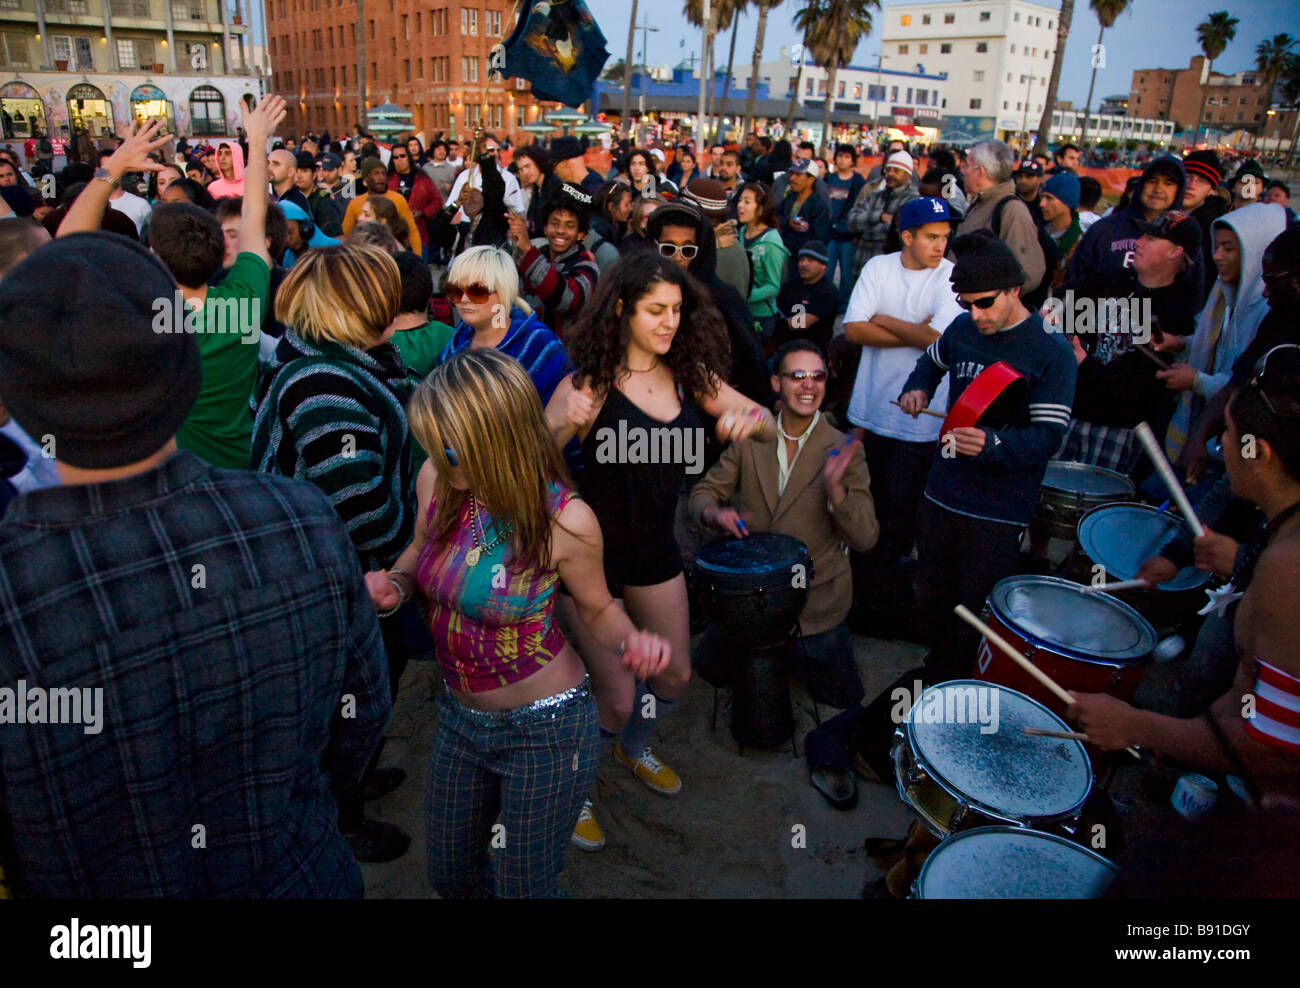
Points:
(432, 61)
(996, 55)
(95, 64)
(1067, 125)
(902, 97)
(1239, 101)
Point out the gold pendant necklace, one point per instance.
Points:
(476, 551)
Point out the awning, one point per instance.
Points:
(908, 130)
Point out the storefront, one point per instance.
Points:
(148, 102)
(21, 110)
(90, 110)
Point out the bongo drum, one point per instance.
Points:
(1120, 538)
(1070, 490)
(1090, 642)
(963, 760)
(1013, 863)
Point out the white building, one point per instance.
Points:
(1067, 125)
(997, 55)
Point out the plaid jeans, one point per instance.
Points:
(529, 769)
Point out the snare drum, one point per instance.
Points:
(1070, 490)
(1120, 538)
(1012, 863)
(955, 776)
(1090, 642)
(753, 589)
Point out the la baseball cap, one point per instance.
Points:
(918, 212)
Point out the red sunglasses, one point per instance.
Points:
(476, 293)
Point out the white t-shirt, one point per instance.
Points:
(133, 206)
(514, 197)
(888, 288)
(1087, 219)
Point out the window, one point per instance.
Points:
(62, 46)
(925, 18)
(949, 18)
(1049, 25)
(1017, 19)
(1008, 77)
(981, 46)
(909, 95)
(494, 29)
(821, 87)
(393, 45)
(875, 92)
(985, 15)
(840, 94)
(808, 87)
(922, 95)
(406, 27)
(1013, 47)
(977, 76)
(417, 22)
(372, 30)
(1241, 101)
(129, 8)
(1238, 117)
(1006, 105)
(902, 49)
(945, 48)
(893, 93)
(1017, 104)
(188, 11)
(905, 20)
(473, 20)
(975, 104)
(133, 53)
(207, 111)
(13, 49)
(857, 90)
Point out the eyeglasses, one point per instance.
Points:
(402, 156)
(979, 303)
(477, 293)
(687, 251)
(803, 375)
(1257, 381)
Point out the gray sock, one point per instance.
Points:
(648, 709)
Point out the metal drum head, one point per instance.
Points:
(1090, 625)
(1084, 478)
(1005, 770)
(1012, 863)
(762, 552)
(1121, 537)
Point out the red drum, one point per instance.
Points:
(994, 389)
(1088, 642)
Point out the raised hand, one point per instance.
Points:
(132, 155)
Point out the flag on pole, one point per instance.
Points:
(558, 47)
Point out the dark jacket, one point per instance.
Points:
(814, 209)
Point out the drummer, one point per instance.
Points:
(984, 482)
(1251, 730)
(812, 485)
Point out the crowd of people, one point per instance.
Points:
(290, 415)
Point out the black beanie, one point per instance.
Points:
(80, 359)
(984, 264)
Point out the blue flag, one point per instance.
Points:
(558, 47)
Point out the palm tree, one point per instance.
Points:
(722, 14)
(1271, 60)
(763, 7)
(739, 8)
(1290, 80)
(798, 81)
(1049, 103)
(833, 29)
(1214, 34)
(1107, 12)
(626, 123)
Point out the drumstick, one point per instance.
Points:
(1109, 587)
(1152, 356)
(1052, 686)
(1148, 440)
(926, 411)
(1038, 732)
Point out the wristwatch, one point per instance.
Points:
(102, 175)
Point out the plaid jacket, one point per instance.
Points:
(223, 615)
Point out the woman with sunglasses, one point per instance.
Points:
(651, 354)
(330, 411)
(768, 255)
(405, 176)
(498, 529)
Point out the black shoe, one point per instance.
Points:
(380, 782)
(376, 842)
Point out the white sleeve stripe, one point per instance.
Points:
(1040, 404)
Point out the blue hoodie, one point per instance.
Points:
(292, 211)
(1108, 245)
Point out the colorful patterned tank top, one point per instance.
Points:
(492, 625)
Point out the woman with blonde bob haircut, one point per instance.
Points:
(497, 528)
(330, 411)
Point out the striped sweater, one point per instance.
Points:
(558, 287)
(1001, 483)
(335, 416)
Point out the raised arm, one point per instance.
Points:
(738, 417)
(132, 155)
(259, 124)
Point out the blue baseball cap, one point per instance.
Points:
(918, 212)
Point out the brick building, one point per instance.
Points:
(431, 58)
(1239, 101)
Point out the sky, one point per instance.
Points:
(1151, 34)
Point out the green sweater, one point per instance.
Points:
(768, 257)
(421, 346)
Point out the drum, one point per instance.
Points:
(962, 759)
(753, 589)
(1070, 490)
(1012, 863)
(1090, 642)
(1120, 538)
(992, 398)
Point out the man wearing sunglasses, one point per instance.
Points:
(984, 482)
(811, 484)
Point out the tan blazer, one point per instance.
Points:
(746, 478)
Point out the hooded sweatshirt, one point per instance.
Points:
(1108, 245)
(292, 211)
(748, 369)
(1232, 314)
(222, 187)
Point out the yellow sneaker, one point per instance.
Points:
(650, 770)
(587, 834)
